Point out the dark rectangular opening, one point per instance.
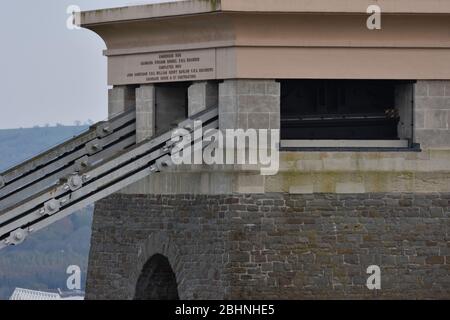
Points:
(346, 110)
(171, 105)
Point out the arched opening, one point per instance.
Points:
(157, 281)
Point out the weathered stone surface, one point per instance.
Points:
(120, 99)
(275, 246)
(432, 114)
(201, 96)
(145, 112)
(245, 104)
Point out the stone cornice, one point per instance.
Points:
(192, 7)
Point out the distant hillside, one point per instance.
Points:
(17, 145)
(40, 262)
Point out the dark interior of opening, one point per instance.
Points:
(171, 105)
(342, 109)
(157, 281)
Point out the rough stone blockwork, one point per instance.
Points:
(275, 246)
(432, 114)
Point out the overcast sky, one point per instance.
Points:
(50, 74)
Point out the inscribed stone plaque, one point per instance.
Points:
(172, 66)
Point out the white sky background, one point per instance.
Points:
(49, 74)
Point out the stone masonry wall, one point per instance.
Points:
(275, 246)
(432, 114)
(249, 104)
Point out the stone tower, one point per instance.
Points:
(364, 164)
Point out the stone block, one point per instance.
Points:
(247, 104)
(145, 121)
(275, 121)
(258, 103)
(250, 184)
(228, 120)
(433, 138)
(201, 96)
(344, 164)
(436, 119)
(120, 99)
(436, 88)
(228, 88)
(447, 89)
(421, 88)
(146, 92)
(145, 112)
(242, 121)
(419, 119)
(435, 260)
(432, 102)
(273, 88)
(302, 189)
(258, 120)
(254, 87)
(350, 187)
